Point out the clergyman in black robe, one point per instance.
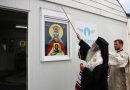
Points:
(94, 75)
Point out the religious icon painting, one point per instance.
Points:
(55, 36)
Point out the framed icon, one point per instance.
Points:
(55, 39)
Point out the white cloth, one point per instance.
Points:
(118, 77)
(89, 55)
(95, 60)
(119, 59)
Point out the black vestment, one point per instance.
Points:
(96, 79)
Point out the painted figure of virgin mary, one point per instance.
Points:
(56, 46)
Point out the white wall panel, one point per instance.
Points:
(15, 4)
(96, 6)
(112, 2)
(128, 26)
(102, 7)
(61, 75)
(101, 3)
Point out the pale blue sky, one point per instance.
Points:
(126, 5)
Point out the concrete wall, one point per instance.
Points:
(61, 75)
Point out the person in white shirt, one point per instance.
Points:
(118, 63)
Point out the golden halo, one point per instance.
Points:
(60, 30)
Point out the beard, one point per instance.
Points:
(90, 54)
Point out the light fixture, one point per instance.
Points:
(21, 26)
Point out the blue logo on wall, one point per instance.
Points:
(87, 31)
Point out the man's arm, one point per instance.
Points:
(82, 43)
(84, 47)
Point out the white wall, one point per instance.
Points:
(61, 75)
(108, 8)
(128, 26)
(15, 4)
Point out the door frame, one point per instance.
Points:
(27, 12)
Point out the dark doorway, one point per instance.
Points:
(13, 50)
